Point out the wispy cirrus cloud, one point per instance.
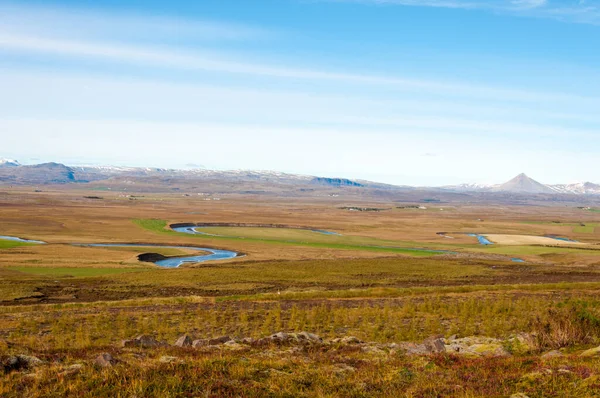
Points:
(177, 59)
(573, 11)
(96, 23)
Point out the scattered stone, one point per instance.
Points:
(184, 341)
(478, 346)
(373, 351)
(592, 352)
(71, 370)
(309, 337)
(350, 340)
(144, 341)
(29, 361)
(105, 360)
(19, 362)
(219, 340)
(200, 343)
(248, 340)
(280, 337)
(414, 349)
(564, 371)
(552, 354)
(519, 395)
(434, 345)
(168, 359)
(489, 350)
(233, 346)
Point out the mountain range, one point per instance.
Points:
(527, 185)
(13, 173)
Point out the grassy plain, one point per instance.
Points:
(66, 304)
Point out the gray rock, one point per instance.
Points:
(309, 337)
(144, 341)
(200, 343)
(415, 349)
(184, 341)
(280, 337)
(105, 360)
(18, 362)
(434, 345)
(350, 340)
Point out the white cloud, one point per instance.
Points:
(204, 61)
(89, 23)
(587, 12)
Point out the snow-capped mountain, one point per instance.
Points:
(9, 163)
(527, 185)
(12, 172)
(470, 187)
(579, 188)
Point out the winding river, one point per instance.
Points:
(167, 262)
(14, 238)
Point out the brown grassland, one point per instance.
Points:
(67, 304)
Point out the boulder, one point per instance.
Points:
(29, 361)
(105, 360)
(184, 341)
(144, 341)
(18, 362)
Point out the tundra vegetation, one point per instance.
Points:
(387, 308)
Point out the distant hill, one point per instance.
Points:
(201, 181)
(335, 182)
(41, 174)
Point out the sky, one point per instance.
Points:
(415, 92)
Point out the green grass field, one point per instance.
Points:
(308, 239)
(587, 228)
(9, 244)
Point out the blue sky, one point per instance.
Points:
(420, 92)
